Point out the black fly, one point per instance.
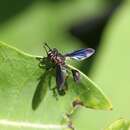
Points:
(56, 61)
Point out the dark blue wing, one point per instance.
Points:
(60, 79)
(81, 54)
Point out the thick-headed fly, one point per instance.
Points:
(56, 61)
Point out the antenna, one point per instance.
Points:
(46, 45)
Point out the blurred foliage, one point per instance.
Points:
(111, 69)
(26, 24)
(121, 124)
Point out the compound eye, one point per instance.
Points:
(55, 50)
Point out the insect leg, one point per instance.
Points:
(76, 75)
(55, 93)
(52, 89)
(41, 65)
(39, 58)
(41, 62)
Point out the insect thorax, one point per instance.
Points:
(56, 57)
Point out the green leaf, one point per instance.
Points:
(121, 124)
(20, 86)
(89, 93)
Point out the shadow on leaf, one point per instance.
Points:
(40, 91)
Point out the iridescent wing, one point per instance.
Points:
(81, 54)
(60, 79)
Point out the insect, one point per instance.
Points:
(56, 62)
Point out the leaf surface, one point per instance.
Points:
(121, 124)
(89, 93)
(19, 77)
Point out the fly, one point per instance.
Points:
(57, 62)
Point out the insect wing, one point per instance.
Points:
(60, 79)
(81, 54)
